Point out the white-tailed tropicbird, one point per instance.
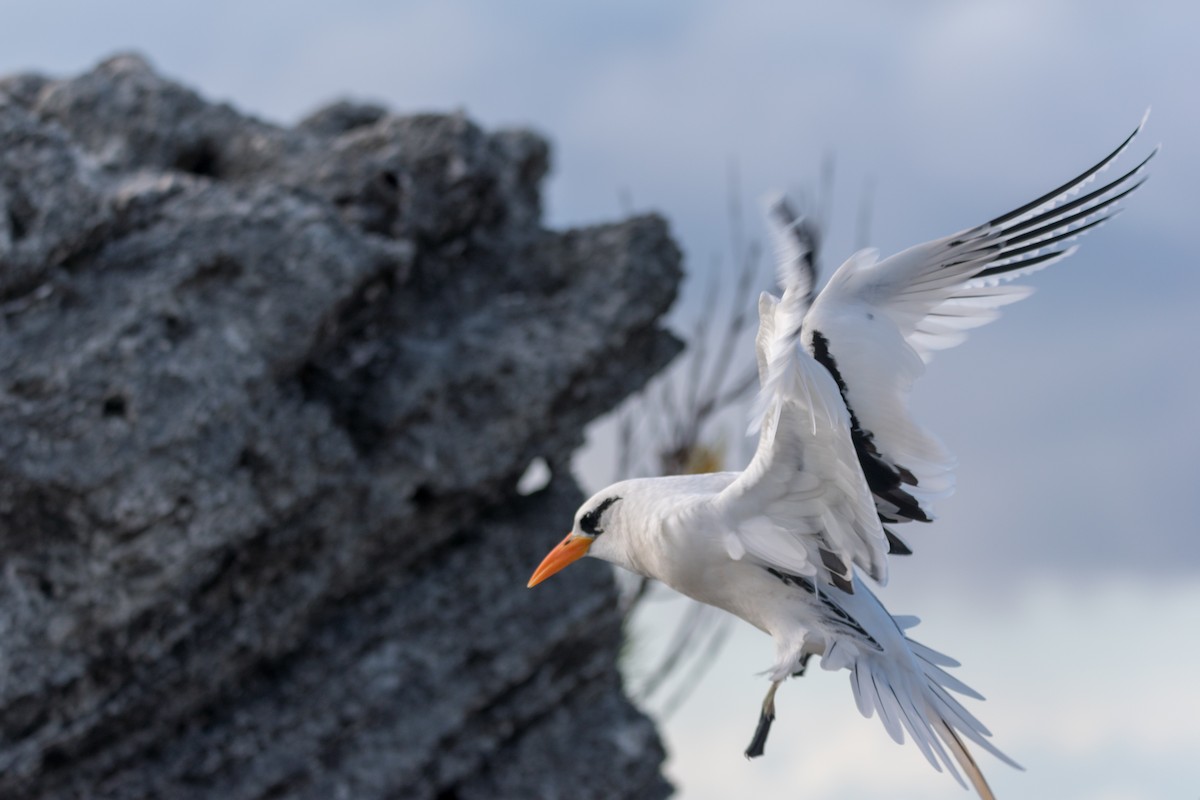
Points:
(838, 456)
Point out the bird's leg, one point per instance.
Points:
(766, 717)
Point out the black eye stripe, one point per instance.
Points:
(589, 523)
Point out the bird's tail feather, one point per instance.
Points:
(963, 756)
(906, 684)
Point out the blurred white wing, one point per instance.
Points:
(877, 323)
(802, 505)
(795, 240)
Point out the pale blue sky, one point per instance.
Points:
(1064, 571)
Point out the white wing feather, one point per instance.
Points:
(802, 505)
(877, 323)
(795, 241)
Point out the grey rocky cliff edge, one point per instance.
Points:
(265, 395)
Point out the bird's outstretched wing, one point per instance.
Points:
(877, 323)
(802, 505)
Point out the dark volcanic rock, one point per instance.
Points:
(265, 395)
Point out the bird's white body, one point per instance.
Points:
(839, 455)
(673, 529)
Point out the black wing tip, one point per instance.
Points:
(1013, 257)
(1056, 225)
(840, 582)
(896, 545)
(1025, 263)
(1100, 166)
(1141, 124)
(839, 574)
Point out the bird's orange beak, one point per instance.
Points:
(569, 550)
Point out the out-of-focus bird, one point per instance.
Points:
(838, 456)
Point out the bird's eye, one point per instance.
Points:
(589, 523)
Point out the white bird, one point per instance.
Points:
(839, 455)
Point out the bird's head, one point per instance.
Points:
(586, 537)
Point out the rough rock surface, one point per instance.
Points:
(265, 395)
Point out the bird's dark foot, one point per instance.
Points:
(760, 735)
(765, 718)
